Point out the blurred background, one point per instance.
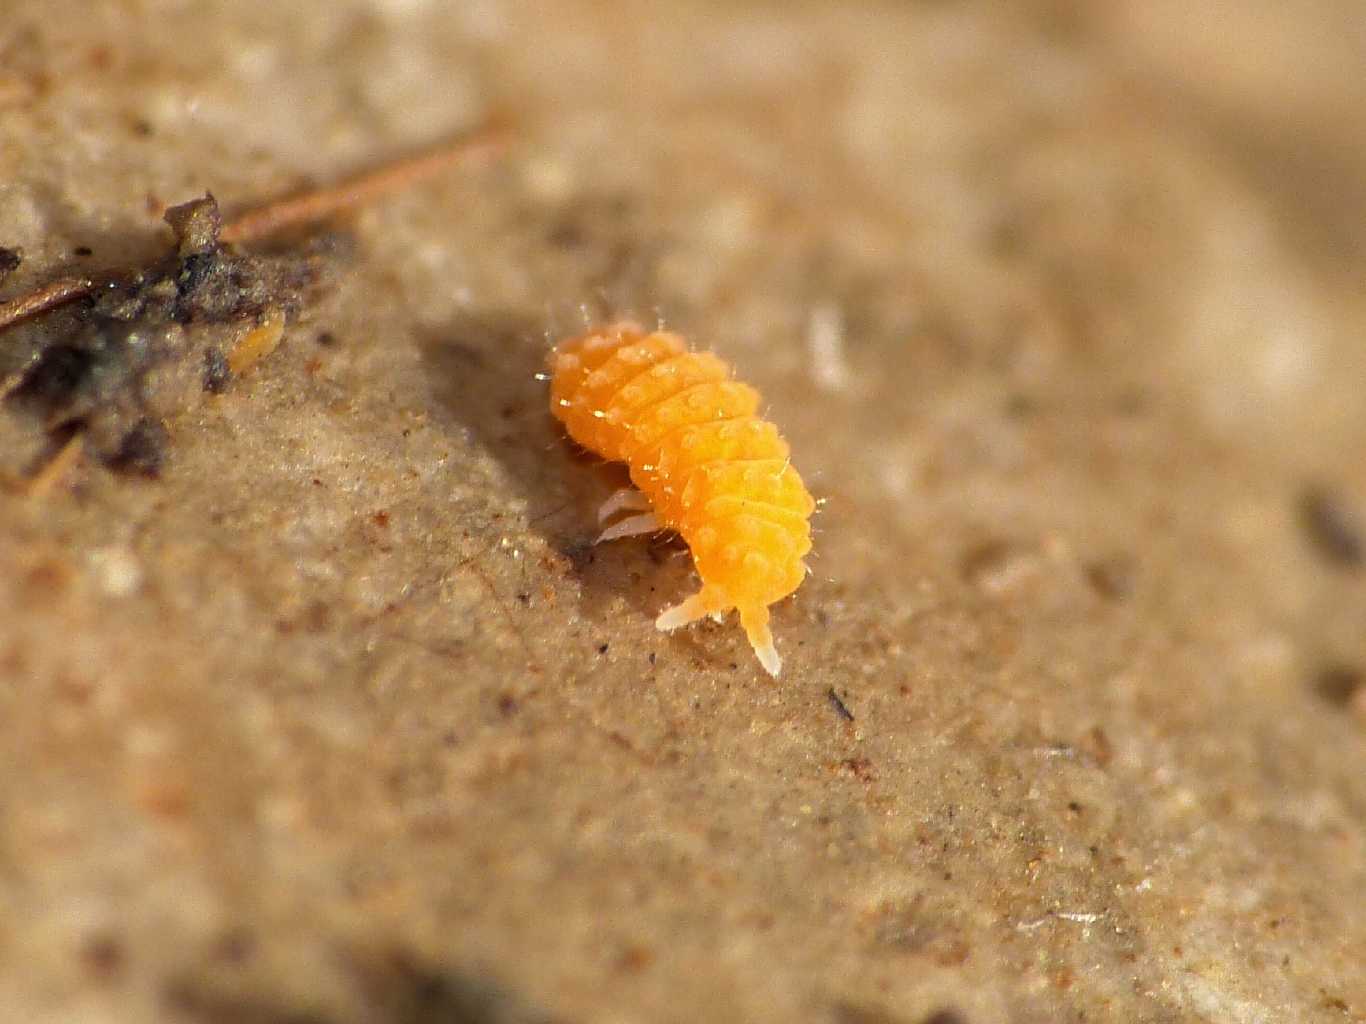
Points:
(338, 715)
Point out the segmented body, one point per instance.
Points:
(709, 466)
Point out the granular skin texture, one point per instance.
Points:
(712, 469)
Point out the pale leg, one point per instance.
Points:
(628, 499)
(755, 623)
(631, 526)
(709, 601)
(682, 614)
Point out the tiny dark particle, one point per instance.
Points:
(399, 987)
(326, 339)
(9, 261)
(1338, 684)
(103, 955)
(988, 561)
(652, 657)
(602, 649)
(1111, 578)
(83, 250)
(853, 1013)
(60, 371)
(524, 598)
(193, 272)
(635, 959)
(850, 1013)
(838, 705)
(217, 373)
(1332, 528)
(143, 450)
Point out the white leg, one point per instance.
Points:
(681, 614)
(755, 622)
(768, 657)
(628, 499)
(631, 526)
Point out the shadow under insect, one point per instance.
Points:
(486, 371)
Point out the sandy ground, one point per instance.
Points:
(343, 719)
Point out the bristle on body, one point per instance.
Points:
(705, 465)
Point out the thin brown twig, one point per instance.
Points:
(318, 204)
(40, 483)
(40, 300)
(315, 205)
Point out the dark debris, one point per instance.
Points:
(856, 1013)
(851, 1013)
(1111, 578)
(143, 450)
(150, 343)
(1332, 527)
(945, 1017)
(217, 373)
(399, 988)
(838, 705)
(1338, 684)
(9, 261)
(393, 987)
